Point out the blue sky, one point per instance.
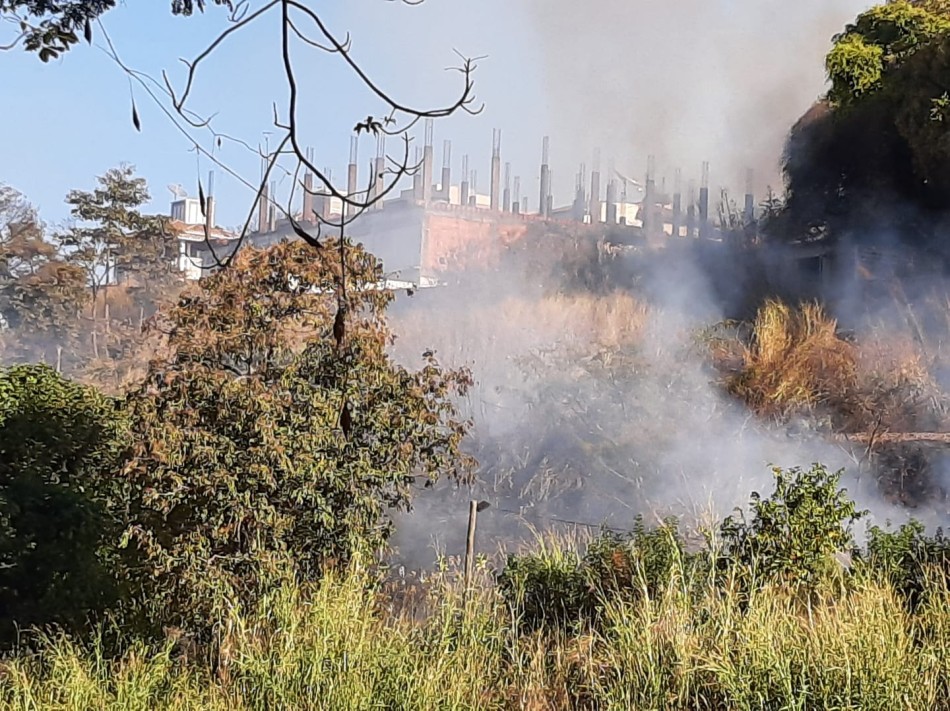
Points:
(693, 80)
(70, 120)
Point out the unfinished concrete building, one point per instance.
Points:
(422, 231)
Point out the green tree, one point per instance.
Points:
(130, 264)
(51, 28)
(58, 457)
(260, 435)
(114, 242)
(793, 535)
(873, 158)
(876, 45)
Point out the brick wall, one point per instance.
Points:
(463, 238)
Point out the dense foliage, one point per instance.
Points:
(77, 297)
(558, 588)
(669, 630)
(58, 523)
(53, 27)
(271, 434)
(261, 436)
(41, 289)
(799, 537)
(877, 44)
(794, 535)
(907, 558)
(871, 161)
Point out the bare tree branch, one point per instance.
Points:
(398, 119)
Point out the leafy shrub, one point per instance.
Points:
(57, 533)
(546, 589)
(794, 534)
(641, 562)
(554, 587)
(906, 557)
(277, 427)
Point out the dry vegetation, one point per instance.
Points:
(794, 360)
(510, 342)
(577, 395)
(580, 401)
(473, 329)
(338, 645)
(797, 362)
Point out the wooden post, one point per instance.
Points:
(141, 317)
(59, 359)
(95, 345)
(470, 544)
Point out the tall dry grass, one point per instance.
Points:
(474, 331)
(856, 651)
(334, 646)
(795, 360)
(898, 387)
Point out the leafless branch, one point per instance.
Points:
(301, 27)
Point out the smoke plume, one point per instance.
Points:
(595, 405)
(686, 81)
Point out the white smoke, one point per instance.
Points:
(598, 446)
(686, 81)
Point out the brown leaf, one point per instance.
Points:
(135, 117)
(87, 31)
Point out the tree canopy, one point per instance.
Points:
(113, 240)
(78, 296)
(271, 432)
(51, 28)
(58, 457)
(276, 422)
(872, 160)
(41, 290)
(876, 45)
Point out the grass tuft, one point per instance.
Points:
(795, 360)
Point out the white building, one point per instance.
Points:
(187, 210)
(201, 245)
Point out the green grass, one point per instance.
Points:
(691, 643)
